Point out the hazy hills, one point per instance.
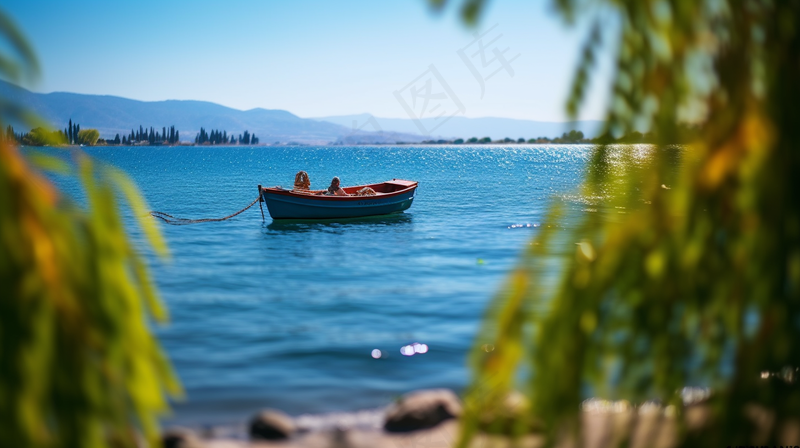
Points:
(111, 115)
(463, 127)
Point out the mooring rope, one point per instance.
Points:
(169, 219)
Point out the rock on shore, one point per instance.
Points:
(422, 410)
(271, 424)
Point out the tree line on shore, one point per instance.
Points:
(683, 134)
(74, 135)
(167, 136)
(567, 137)
(39, 136)
(216, 137)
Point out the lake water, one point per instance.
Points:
(286, 315)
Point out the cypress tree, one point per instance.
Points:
(177, 137)
(70, 131)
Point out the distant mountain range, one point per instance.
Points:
(463, 127)
(112, 115)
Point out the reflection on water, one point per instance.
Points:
(310, 225)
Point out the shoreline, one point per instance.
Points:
(336, 145)
(604, 424)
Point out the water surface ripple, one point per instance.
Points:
(286, 315)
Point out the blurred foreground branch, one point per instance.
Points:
(687, 272)
(79, 366)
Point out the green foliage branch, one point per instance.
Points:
(79, 366)
(688, 273)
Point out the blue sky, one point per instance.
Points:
(312, 58)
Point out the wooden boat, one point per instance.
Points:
(393, 196)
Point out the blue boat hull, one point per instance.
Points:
(293, 206)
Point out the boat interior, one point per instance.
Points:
(379, 189)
